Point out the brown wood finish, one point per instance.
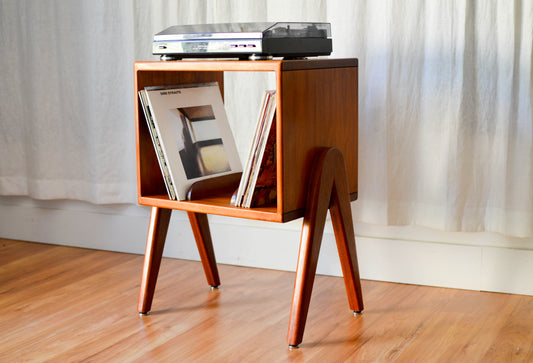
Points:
(316, 109)
(219, 204)
(342, 222)
(319, 109)
(157, 231)
(155, 243)
(64, 304)
(202, 235)
(214, 186)
(328, 186)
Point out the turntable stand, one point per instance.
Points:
(316, 151)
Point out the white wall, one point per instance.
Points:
(476, 261)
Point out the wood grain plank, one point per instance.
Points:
(67, 304)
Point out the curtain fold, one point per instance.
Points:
(445, 112)
(445, 95)
(67, 103)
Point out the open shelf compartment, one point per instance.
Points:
(316, 107)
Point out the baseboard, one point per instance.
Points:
(272, 246)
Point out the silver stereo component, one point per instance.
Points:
(243, 40)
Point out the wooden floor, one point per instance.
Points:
(65, 304)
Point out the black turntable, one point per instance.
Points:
(244, 40)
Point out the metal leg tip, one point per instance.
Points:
(144, 314)
(355, 313)
(295, 346)
(214, 288)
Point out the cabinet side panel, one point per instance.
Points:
(149, 178)
(319, 109)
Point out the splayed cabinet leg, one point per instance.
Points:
(155, 243)
(341, 218)
(202, 235)
(328, 189)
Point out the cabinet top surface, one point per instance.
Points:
(246, 65)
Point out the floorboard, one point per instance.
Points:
(67, 304)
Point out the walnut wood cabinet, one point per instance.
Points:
(316, 161)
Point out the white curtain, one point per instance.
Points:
(66, 118)
(445, 101)
(445, 112)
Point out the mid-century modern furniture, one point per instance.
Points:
(316, 152)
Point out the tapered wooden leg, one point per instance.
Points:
(341, 218)
(313, 227)
(202, 235)
(155, 242)
(328, 186)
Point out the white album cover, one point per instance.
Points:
(194, 133)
